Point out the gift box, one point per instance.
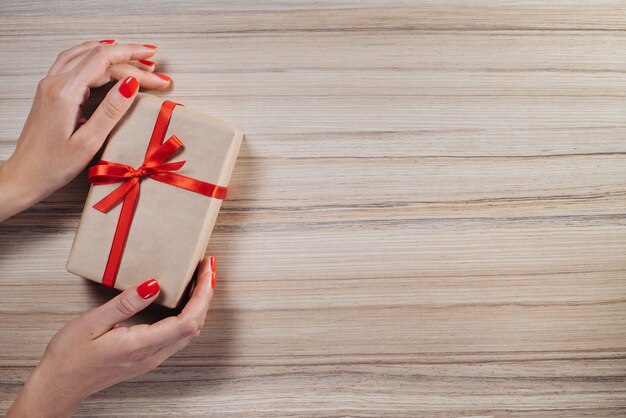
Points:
(154, 198)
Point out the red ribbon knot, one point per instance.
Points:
(155, 167)
(106, 172)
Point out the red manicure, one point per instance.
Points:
(148, 289)
(213, 279)
(150, 46)
(212, 263)
(107, 41)
(163, 77)
(129, 86)
(147, 62)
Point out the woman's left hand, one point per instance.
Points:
(57, 142)
(93, 351)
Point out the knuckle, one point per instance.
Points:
(190, 328)
(197, 333)
(112, 109)
(125, 306)
(53, 346)
(67, 53)
(44, 84)
(56, 91)
(205, 275)
(101, 52)
(61, 56)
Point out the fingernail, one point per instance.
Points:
(213, 279)
(148, 289)
(150, 46)
(147, 62)
(163, 77)
(212, 263)
(107, 41)
(129, 86)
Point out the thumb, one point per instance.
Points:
(125, 305)
(109, 112)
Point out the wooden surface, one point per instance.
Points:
(428, 215)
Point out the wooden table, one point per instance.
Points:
(427, 217)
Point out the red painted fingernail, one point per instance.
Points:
(213, 279)
(147, 62)
(107, 41)
(150, 46)
(163, 77)
(212, 263)
(129, 86)
(148, 289)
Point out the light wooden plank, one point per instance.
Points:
(427, 217)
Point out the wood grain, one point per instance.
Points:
(427, 217)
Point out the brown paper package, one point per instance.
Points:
(171, 227)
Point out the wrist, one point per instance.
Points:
(41, 397)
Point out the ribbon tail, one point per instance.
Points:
(161, 125)
(121, 235)
(191, 184)
(165, 151)
(115, 196)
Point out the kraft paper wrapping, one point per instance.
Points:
(171, 226)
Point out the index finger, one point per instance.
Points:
(95, 65)
(191, 320)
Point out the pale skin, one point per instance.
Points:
(94, 351)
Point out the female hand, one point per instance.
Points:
(57, 142)
(93, 351)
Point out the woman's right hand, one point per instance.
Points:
(94, 351)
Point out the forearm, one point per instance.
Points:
(13, 197)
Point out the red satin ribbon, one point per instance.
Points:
(155, 167)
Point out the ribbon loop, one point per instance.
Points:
(154, 166)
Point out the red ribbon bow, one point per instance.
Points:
(155, 167)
